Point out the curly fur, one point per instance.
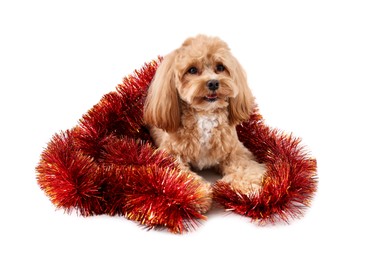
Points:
(197, 97)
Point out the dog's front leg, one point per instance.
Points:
(242, 172)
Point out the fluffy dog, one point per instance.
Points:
(197, 97)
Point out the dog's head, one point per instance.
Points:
(205, 75)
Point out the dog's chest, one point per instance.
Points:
(208, 139)
(206, 125)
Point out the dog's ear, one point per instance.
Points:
(241, 106)
(162, 103)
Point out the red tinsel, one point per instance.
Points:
(108, 165)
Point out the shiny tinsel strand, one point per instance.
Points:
(164, 198)
(69, 177)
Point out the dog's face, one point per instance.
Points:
(202, 73)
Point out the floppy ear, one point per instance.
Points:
(240, 107)
(162, 103)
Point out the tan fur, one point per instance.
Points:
(199, 131)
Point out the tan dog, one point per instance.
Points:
(197, 97)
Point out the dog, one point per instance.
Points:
(196, 98)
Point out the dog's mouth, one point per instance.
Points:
(211, 97)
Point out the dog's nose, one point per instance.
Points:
(213, 84)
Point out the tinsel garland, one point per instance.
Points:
(107, 164)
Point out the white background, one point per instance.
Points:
(306, 64)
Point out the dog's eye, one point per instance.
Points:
(192, 70)
(220, 68)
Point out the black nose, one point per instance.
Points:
(213, 84)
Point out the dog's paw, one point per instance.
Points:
(207, 197)
(249, 181)
(204, 194)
